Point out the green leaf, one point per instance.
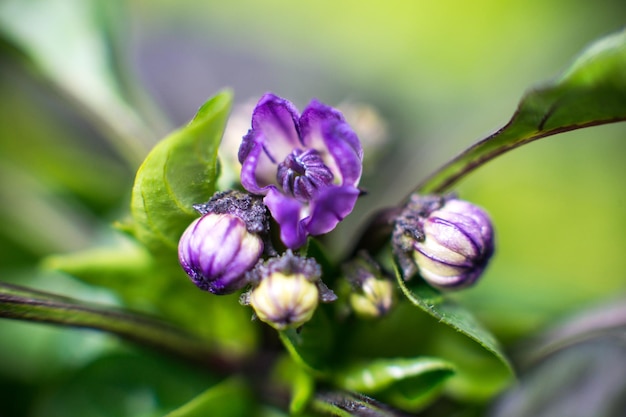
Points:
(90, 35)
(312, 346)
(229, 398)
(220, 320)
(408, 383)
(472, 364)
(124, 267)
(180, 171)
(124, 384)
(303, 389)
(591, 92)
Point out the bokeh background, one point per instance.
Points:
(87, 87)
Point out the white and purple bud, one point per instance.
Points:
(287, 291)
(219, 248)
(448, 241)
(372, 294)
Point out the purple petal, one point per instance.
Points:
(258, 171)
(273, 136)
(323, 128)
(349, 160)
(474, 221)
(275, 126)
(456, 233)
(287, 212)
(312, 118)
(329, 207)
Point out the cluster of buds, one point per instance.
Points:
(221, 253)
(303, 170)
(447, 240)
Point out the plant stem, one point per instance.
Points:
(22, 303)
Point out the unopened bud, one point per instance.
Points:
(449, 241)
(288, 290)
(372, 294)
(219, 248)
(285, 300)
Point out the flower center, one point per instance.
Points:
(302, 173)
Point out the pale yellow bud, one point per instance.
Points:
(285, 300)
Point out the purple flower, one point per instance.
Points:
(307, 166)
(449, 241)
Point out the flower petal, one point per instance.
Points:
(323, 128)
(287, 212)
(339, 138)
(330, 207)
(273, 136)
(275, 126)
(258, 171)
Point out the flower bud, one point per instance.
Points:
(285, 300)
(449, 241)
(372, 294)
(288, 290)
(219, 248)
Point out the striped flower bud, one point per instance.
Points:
(448, 241)
(287, 290)
(219, 248)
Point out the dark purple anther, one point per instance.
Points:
(302, 173)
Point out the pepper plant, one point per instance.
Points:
(232, 299)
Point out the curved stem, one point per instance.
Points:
(484, 151)
(513, 135)
(22, 303)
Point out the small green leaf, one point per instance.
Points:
(408, 383)
(451, 314)
(303, 389)
(126, 268)
(591, 92)
(312, 346)
(229, 398)
(180, 171)
(448, 312)
(297, 380)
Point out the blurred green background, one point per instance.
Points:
(87, 87)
